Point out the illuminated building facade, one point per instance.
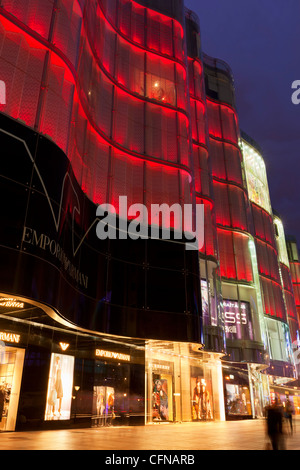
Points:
(240, 285)
(97, 107)
(106, 99)
(286, 280)
(278, 299)
(294, 263)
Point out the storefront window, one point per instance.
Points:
(162, 409)
(112, 400)
(60, 387)
(280, 346)
(237, 392)
(238, 401)
(183, 384)
(103, 405)
(11, 366)
(201, 397)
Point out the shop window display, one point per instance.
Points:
(11, 364)
(201, 400)
(6, 371)
(103, 405)
(60, 387)
(238, 400)
(161, 398)
(117, 393)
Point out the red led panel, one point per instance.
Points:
(128, 121)
(202, 171)
(161, 132)
(209, 247)
(110, 8)
(183, 140)
(267, 260)
(198, 121)
(214, 119)
(235, 259)
(229, 124)
(21, 69)
(124, 15)
(238, 209)
(243, 258)
(295, 272)
(210, 234)
(138, 23)
(196, 87)
(57, 109)
(222, 204)
(97, 157)
(296, 288)
(263, 225)
(273, 300)
(294, 328)
(217, 159)
(232, 157)
(227, 258)
(159, 33)
(290, 305)
(34, 13)
(286, 278)
(67, 28)
(126, 179)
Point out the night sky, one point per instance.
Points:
(260, 40)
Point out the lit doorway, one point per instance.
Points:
(11, 368)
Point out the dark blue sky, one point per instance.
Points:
(260, 40)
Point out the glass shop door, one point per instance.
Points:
(11, 368)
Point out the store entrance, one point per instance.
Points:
(11, 367)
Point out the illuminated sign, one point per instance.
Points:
(160, 366)
(112, 355)
(256, 176)
(10, 302)
(237, 320)
(64, 346)
(9, 337)
(281, 244)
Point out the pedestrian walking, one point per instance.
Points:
(274, 418)
(288, 413)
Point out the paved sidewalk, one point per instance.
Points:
(234, 435)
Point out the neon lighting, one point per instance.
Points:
(9, 337)
(167, 56)
(112, 355)
(11, 302)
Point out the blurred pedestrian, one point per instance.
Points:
(288, 413)
(274, 418)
